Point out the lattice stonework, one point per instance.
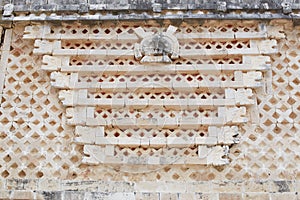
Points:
(157, 95)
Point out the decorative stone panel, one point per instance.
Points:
(151, 95)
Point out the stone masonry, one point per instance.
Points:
(149, 100)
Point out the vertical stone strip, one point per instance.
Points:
(4, 56)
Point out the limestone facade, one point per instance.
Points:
(150, 110)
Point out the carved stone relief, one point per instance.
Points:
(159, 47)
(187, 110)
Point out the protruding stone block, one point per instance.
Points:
(264, 46)
(76, 116)
(233, 114)
(68, 97)
(43, 47)
(60, 80)
(214, 155)
(241, 96)
(52, 63)
(228, 135)
(276, 32)
(88, 135)
(252, 79)
(94, 155)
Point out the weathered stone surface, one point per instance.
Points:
(281, 186)
(51, 195)
(216, 98)
(49, 185)
(230, 196)
(154, 50)
(257, 195)
(70, 195)
(20, 184)
(174, 4)
(22, 194)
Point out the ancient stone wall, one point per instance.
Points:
(150, 110)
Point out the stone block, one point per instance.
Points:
(220, 120)
(98, 52)
(94, 154)
(49, 195)
(162, 187)
(153, 160)
(141, 33)
(233, 114)
(206, 140)
(4, 194)
(125, 196)
(146, 123)
(184, 86)
(109, 150)
(157, 142)
(276, 32)
(107, 140)
(126, 36)
(116, 187)
(146, 196)
(227, 187)
(175, 104)
(251, 35)
(206, 195)
(252, 79)
(49, 185)
(22, 194)
(80, 185)
(256, 60)
(33, 32)
(280, 196)
(71, 195)
(42, 47)
(52, 63)
(256, 195)
(192, 123)
(137, 104)
(183, 196)
(130, 142)
(228, 135)
(104, 103)
(264, 46)
(222, 102)
(214, 155)
(297, 186)
(124, 122)
(198, 186)
(111, 54)
(255, 186)
(203, 103)
(168, 196)
(281, 186)
(66, 52)
(87, 135)
(68, 97)
(156, 103)
(180, 142)
(60, 80)
(21, 184)
(76, 115)
(230, 196)
(145, 142)
(244, 96)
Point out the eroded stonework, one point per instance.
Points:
(42, 156)
(153, 95)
